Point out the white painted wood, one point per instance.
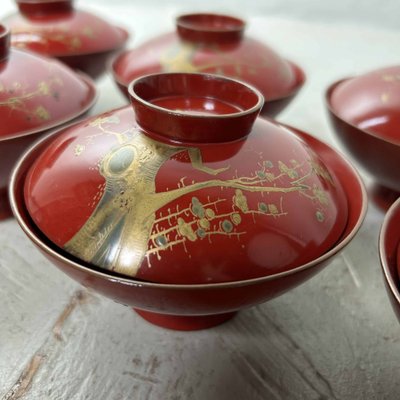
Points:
(334, 337)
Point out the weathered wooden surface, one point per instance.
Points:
(335, 337)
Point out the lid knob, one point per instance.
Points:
(43, 7)
(208, 28)
(4, 42)
(195, 108)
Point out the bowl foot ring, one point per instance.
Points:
(185, 323)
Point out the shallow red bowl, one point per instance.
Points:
(32, 103)
(55, 28)
(365, 114)
(191, 306)
(389, 252)
(214, 43)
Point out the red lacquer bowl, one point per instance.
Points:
(55, 28)
(33, 102)
(365, 113)
(214, 44)
(220, 237)
(197, 190)
(389, 251)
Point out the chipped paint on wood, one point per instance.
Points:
(21, 387)
(78, 298)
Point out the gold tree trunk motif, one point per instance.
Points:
(119, 234)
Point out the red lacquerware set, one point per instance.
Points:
(185, 205)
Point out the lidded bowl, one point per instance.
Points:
(36, 94)
(365, 113)
(213, 43)
(188, 195)
(389, 252)
(56, 28)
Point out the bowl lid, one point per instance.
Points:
(241, 197)
(49, 95)
(56, 28)
(212, 43)
(371, 102)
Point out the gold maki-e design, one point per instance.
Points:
(61, 35)
(179, 58)
(127, 226)
(18, 97)
(390, 78)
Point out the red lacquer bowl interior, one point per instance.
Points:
(191, 306)
(56, 28)
(194, 108)
(371, 102)
(197, 190)
(398, 258)
(365, 114)
(389, 251)
(213, 43)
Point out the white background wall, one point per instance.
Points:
(377, 13)
(384, 13)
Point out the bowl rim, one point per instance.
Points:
(328, 94)
(199, 286)
(392, 284)
(182, 19)
(58, 124)
(206, 77)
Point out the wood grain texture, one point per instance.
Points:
(334, 337)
